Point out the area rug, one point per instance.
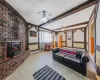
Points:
(47, 73)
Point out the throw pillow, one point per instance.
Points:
(79, 54)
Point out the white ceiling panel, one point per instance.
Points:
(29, 8)
(75, 18)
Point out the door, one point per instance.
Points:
(60, 41)
(92, 45)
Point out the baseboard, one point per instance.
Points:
(34, 50)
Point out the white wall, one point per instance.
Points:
(78, 36)
(98, 36)
(33, 39)
(87, 38)
(69, 42)
(98, 27)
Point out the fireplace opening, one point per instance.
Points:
(13, 49)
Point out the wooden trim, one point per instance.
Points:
(30, 27)
(88, 39)
(78, 48)
(77, 24)
(38, 38)
(71, 29)
(63, 41)
(36, 28)
(27, 37)
(33, 43)
(78, 42)
(75, 47)
(34, 50)
(74, 31)
(72, 11)
(74, 25)
(47, 29)
(32, 24)
(82, 30)
(66, 38)
(85, 39)
(63, 46)
(40, 27)
(72, 38)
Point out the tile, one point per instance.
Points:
(36, 61)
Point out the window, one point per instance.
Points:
(45, 37)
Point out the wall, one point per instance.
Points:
(90, 32)
(87, 39)
(8, 67)
(69, 41)
(33, 41)
(78, 38)
(98, 37)
(74, 37)
(12, 28)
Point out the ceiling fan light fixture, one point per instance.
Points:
(44, 16)
(44, 19)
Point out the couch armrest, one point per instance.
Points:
(55, 50)
(85, 59)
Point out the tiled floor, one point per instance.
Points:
(39, 60)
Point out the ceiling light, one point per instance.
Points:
(44, 15)
(44, 19)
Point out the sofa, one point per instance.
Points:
(73, 59)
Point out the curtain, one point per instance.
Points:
(45, 37)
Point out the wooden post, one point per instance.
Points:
(85, 38)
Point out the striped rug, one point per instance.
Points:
(47, 73)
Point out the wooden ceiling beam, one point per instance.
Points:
(72, 11)
(74, 25)
(33, 25)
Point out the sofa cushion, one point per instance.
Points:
(62, 50)
(60, 54)
(72, 52)
(72, 58)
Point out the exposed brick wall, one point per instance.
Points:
(7, 67)
(11, 28)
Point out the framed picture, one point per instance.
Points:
(33, 33)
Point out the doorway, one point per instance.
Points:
(92, 38)
(92, 41)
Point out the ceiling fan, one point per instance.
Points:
(45, 15)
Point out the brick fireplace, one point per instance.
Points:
(13, 38)
(12, 28)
